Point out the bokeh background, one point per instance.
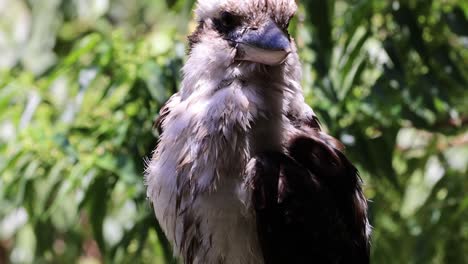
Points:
(81, 82)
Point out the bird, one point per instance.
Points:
(243, 171)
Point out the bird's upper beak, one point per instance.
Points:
(266, 45)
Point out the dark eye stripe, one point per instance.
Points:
(226, 22)
(228, 19)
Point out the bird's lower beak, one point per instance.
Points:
(267, 45)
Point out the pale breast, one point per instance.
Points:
(195, 179)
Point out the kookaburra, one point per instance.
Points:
(243, 172)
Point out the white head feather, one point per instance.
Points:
(209, 8)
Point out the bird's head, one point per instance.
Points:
(242, 31)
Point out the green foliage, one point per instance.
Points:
(80, 82)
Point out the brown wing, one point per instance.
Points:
(309, 204)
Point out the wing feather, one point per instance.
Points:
(309, 203)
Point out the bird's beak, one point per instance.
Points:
(266, 45)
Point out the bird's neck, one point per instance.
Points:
(225, 117)
(248, 99)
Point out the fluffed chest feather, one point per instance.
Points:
(195, 178)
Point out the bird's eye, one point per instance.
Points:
(228, 20)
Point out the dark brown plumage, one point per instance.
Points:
(309, 204)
